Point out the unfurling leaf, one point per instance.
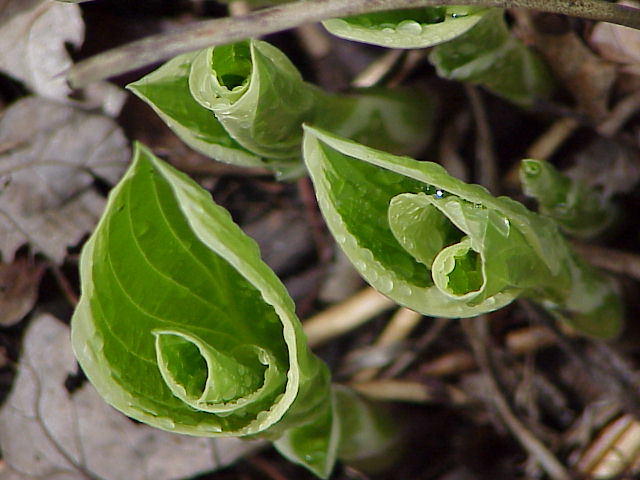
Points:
(245, 103)
(407, 28)
(490, 56)
(446, 248)
(579, 209)
(182, 326)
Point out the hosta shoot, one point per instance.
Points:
(446, 248)
(182, 326)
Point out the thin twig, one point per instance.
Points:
(220, 31)
(476, 330)
(65, 286)
(486, 160)
(616, 261)
(346, 316)
(390, 390)
(407, 358)
(620, 114)
(399, 327)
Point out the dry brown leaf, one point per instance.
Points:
(33, 38)
(618, 44)
(584, 74)
(49, 156)
(19, 283)
(48, 433)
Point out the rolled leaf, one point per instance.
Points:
(580, 210)
(488, 55)
(407, 28)
(245, 103)
(181, 325)
(446, 248)
(166, 90)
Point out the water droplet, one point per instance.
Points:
(388, 30)
(372, 276)
(340, 239)
(439, 193)
(405, 290)
(409, 26)
(165, 423)
(360, 265)
(385, 284)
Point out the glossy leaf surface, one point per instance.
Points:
(183, 327)
(245, 103)
(489, 55)
(407, 28)
(445, 248)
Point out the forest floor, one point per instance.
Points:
(504, 396)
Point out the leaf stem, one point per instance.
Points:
(219, 31)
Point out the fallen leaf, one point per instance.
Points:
(48, 433)
(19, 283)
(33, 39)
(49, 156)
(588, 77)
(617, 43)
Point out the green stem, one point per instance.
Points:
(219, 31)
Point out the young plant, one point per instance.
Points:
(578, 209)
(471, 44)
(183, 327)
(245, 104)
(446, 248)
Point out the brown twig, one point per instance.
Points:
(476, 330)
(616, 261)
(484, 151)
(65, 286)
(220, 31)
(344, 317)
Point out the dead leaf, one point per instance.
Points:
(617, 43)
(49, 156)
(588, 77)
(33, 38)
(585, 75)
(48, 433)
(19, 283)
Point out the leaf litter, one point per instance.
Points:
(33, 38)
(50, 155)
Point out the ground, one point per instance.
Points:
(508, 395)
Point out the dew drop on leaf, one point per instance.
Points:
(385, 284)
(409, 26)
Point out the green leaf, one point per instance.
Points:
(245, 103)
(490, 56)
(257, 94)
(580, 210)
(407, 28)
(166, 90)
(182, 326)
(445, 248)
